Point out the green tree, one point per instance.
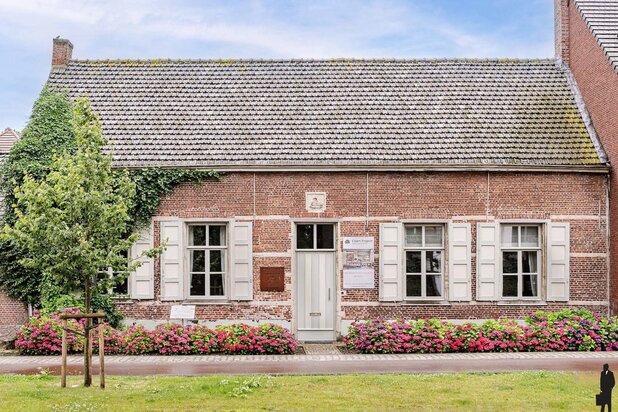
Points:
(73, 222)
(50, 132)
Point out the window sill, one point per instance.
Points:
(520, 302)
(205, 302)
(426, 302)
(122, 299)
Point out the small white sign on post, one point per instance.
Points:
(358, 267)
(182, 312)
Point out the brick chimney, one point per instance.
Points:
(62, 52)
(561, 29)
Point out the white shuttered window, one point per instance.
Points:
(391, 267)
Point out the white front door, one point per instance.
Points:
(315, 282)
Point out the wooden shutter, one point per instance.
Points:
(558, 255)
(391, 261)
(142, 280)
(241, 261)
(460, 262)
(172, 267)
(487, 260)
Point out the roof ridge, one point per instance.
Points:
(324, 60)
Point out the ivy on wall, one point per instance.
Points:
(49, 132)
(152, 184)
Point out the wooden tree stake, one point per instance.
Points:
(63, 367)
(87, 347)
(101, 356)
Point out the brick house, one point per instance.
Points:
(478, 185)
(13, 313)
(357, 189)
(587, 41)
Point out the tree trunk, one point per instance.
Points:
(88, 343)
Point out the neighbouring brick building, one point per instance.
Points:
(13, 313)
(356, 189)
(588, 44)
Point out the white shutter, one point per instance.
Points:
(391, 261)
(460, 262)
(487, 261)
(242, 261)
(558, 256)
(142, 280)
(172, 267)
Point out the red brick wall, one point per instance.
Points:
(280, 197)
(561, 29)
(13, 314)
(598, 84)
(61, 52)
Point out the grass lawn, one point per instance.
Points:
(525, 391)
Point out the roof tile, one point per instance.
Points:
(209, 113)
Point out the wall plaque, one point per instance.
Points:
(182, 312)
(315, 202)
(272, 279)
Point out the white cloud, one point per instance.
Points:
(310, 29)
(244, 28)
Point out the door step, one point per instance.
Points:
(321, 349)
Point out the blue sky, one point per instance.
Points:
(258, 29)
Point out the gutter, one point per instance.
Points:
(599, 168)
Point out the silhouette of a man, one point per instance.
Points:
(607, 384)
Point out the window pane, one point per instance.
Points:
(122, 288)
(216, 235)
(530, 236)
(216, 284)
(433, 235)
(509, 286)
(197, 235)
(326, 235)
(509, 262)
(529, 286)
(529, 262)
(304, 236)
(414, 236)
(198, 262)
(434, 285)
(216, 261)
(198, 285)
(433, 261)
(509, 236)
(413, 262)
(413, 285)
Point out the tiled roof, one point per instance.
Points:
(248, 113)
(601, 16)
(7, 139)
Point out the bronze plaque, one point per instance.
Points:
(272, 279)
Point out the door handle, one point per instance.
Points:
(328, 293)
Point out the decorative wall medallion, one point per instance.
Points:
(315, 202)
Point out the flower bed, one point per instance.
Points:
(42, 335)
(569, 330)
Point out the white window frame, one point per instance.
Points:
(207, 248)
(424, 249)
(118, 295)
(519, 249)
(315, 236)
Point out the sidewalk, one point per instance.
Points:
(318, 363)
